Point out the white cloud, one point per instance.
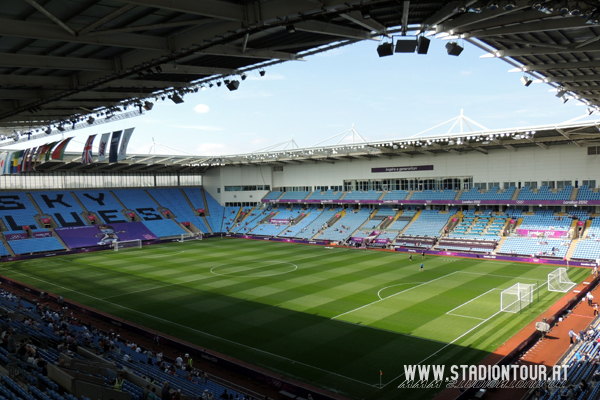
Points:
(202, 109)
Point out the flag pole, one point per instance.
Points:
(380, 373)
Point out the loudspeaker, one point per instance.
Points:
(406, 46)
(233, 85)
(453, 49)
(385, 49)
(422, 45)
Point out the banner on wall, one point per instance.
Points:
(102, 146)
(113, 156)
(124, 142)
(103, 234)
(87, 156)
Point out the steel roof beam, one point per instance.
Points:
(562, 66)
(53, 62)
(332, 29)
(496, 28)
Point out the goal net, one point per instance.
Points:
(516, 297)
(558, 281)
(128, 244)
(190, 236)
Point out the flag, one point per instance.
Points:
(114, 147)
(102, 147)
(380, 372)
(3, 157)
(16, 161)
(86, 156)
(49, 151)
(42, 152)
(124, 142)
(59, 150)
(23, 160)
(8, 163)
(31, 158)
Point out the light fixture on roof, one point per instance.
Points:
(385, 49)
(243, 76)
(290, 28)
(510, 5)
(177, 99)
(61, 128)
(48, 131)
(148, 105)
(453, 49)
(90, 120)
(526, 80)
(565, 99)
(233, 85)
(560, 92)
(262, 72)
(365, 14)
(219, 83)
(492, 5)
(158, 69)
(590, 111)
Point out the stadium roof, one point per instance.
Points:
(575, 134)
(64, 61)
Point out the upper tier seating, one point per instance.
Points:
(491, 194)
(545, 194)
(434, 195)
(328, 195)
(428, 223)
(295, 195)
(274, 195)
(585, 193)
(360, 195)
(17, 211)
(396, 195)
(62, 206)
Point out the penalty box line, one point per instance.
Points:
(395, 294)
(467, 302)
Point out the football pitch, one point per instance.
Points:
(332, 317)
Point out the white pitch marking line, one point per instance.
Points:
(449, 344)
(465, 316)
(398, 284)
(474, 298)
(187, 327)
(500, 276)
(395, 294)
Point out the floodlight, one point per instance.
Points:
(526, 81)
(61, 128)
(158, 69)
(262, 72)
(148, 105)
(219, 83)
(510, 5)
(560, 92)
(48, 131)
(290, 28)
(492, 5)
(90, 120)
(406, 45)
(422, 45)
(453, 49)
(233, 85)
(385, 49)
(243, 76)
(565, 99)
(366, 14)
(177, 99)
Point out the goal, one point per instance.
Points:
(190, 236)
(128, 244)
(558, 281)
(516, 297)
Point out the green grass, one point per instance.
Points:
(330, 317)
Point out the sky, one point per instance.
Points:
(310, 101)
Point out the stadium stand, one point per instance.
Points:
(295, 195)
(215, 217)
(313, 228)
(164, 228)
(61, 206)
(360, 195)
(327, 195)
(251, 220)
(274, 195)
(545, 220)
(492, 194)
(35, 245)
(396, 195)
(173, 199)
(103, 204)
(3, 250)
(311, 214)
(428, 223)
(346, 225)
(544, 193)
(555, 248)
(434, 195)
(585, 193)
(16, 211)
(275, 229)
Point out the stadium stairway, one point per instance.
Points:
(516, 194)
(409, 195)
(574, 193)
(571, 249)
(118, 200)
(389, 222)
(5, 244)
(499, 245)
(460, 192)
(415, 217)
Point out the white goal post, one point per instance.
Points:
(558, 281)
(517, 297)
(190, 236)
(127, 244)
